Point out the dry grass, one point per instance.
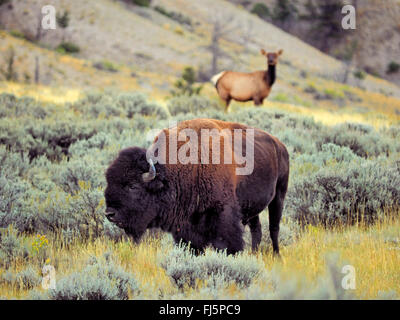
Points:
(373, 251)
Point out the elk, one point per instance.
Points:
(241, 86)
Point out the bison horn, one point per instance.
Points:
(148, 176)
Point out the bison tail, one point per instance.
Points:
(216, 78)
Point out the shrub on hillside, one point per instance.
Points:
(345, 193)
(177, 16)
(11, 247)
(50, 138)
(13, 164)
(99, 280)
(393, 67)
(127, 105)
(329, 152)
(261, 10)
(361, 139)
(185, 85)
(13, 195)
(75, 171)
(142, 3)
(134, 104)
(25, 280)
(68, 47)
(194, 104)
(10, 106)
(83, 147)
(215, 268)
(106, 65)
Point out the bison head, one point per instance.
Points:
(133, 185)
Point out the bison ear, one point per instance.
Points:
(280, 52)
(263, 52)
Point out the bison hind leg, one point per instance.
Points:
(256, 232)
(275, 213)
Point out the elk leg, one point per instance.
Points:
(256, 232)
(227, 102)
(257, 101)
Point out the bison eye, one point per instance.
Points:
(133, 187)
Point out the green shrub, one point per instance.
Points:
(13, 164)
(134, 104)
(26, 279)
(142, 3)
(68, 47)
(10, 106)
(50, 138)
(393, 67)
(11, 247)
(359, 74)
(194, 104)
(185, 84)
(82, 147)
(261, 10)
(128, 105)
(13, 196)
(106, 66)
(361, 139)
(177, 16)
(345, 193)
(72, 173)
(216, 268)
(17, 33)
(99, 280)
(329, 152)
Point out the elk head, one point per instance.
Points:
(272, 57)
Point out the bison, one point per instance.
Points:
(203, 203)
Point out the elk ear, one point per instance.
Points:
(263, 52)
(280, 52)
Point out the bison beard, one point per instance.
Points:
(199, 203)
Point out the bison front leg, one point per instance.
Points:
(196, 242)
(229, 234)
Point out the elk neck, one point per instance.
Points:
(270, 75)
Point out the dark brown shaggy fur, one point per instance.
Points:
(200, 203)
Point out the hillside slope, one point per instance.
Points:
(148, 50)
(377, 34)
